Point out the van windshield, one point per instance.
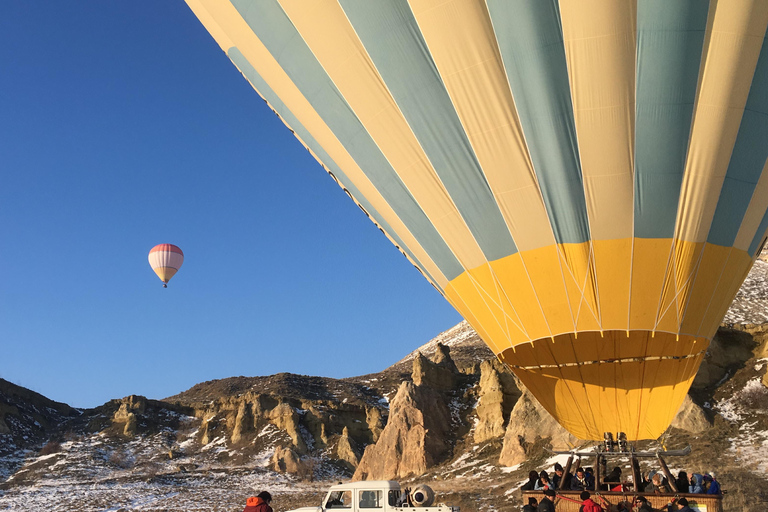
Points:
(339, 499)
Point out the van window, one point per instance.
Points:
(339, 499)
(370, 499)
(394, 498)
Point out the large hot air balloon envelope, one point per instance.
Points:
(165, 260)
(583, 180)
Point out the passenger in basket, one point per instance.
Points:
(682, 482)
(613, 478)
(589, 474)
(697, 484)
(657, 485)
(714, 485)
(543, 483)
(579, 481)
(530, 485)
(559, 476)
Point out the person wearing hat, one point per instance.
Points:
(642, 504)
(547, 503)
(682, 506)
(714, 485)
(697, 484)
(259, 503)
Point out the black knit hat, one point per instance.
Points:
(549, 492)
(265, 496)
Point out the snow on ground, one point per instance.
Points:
(225, 490)
(732, 408)
(456, 335)
(95, 473)
(751, 303)
(750, 447)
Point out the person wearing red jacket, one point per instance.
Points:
(587, 505)
(259, 503)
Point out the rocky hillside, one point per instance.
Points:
(470, 430)
(28, 418)
(447, 414)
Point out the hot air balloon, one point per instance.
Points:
(165, 260)
(583, 180)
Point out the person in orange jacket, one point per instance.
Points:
(259, 503)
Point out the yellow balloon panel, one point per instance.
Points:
(527, 319)
(612, 381)
(165, 273)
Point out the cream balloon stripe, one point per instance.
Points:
(670, 37)
(531, 44)
(734, 43)
(749, 157)
(418, 90)
(273, 28)
(230, 30)
(599, 39)
(326, 29)
(463, 45)
(301, 132)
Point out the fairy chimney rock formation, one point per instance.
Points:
(285, 460)
(129, 407)
(443, 358)
(440, 375)
(347, 450)
(414, 439)
(497, 397)
(691, 417)
(527, 422)
(243, 422)
(286, 418)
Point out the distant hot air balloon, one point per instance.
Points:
(584, 180)
(165, 260)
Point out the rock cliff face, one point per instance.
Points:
(417, 435)
(295, 418)
(528, 424)
(27, 418)
(126, 414)
(691, 417)
(498, 393)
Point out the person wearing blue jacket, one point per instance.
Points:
(697, 484)
(714, 485)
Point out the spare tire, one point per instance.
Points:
(422, 496)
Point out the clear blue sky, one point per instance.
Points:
(124, 125)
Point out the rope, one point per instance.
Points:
(620, 360)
